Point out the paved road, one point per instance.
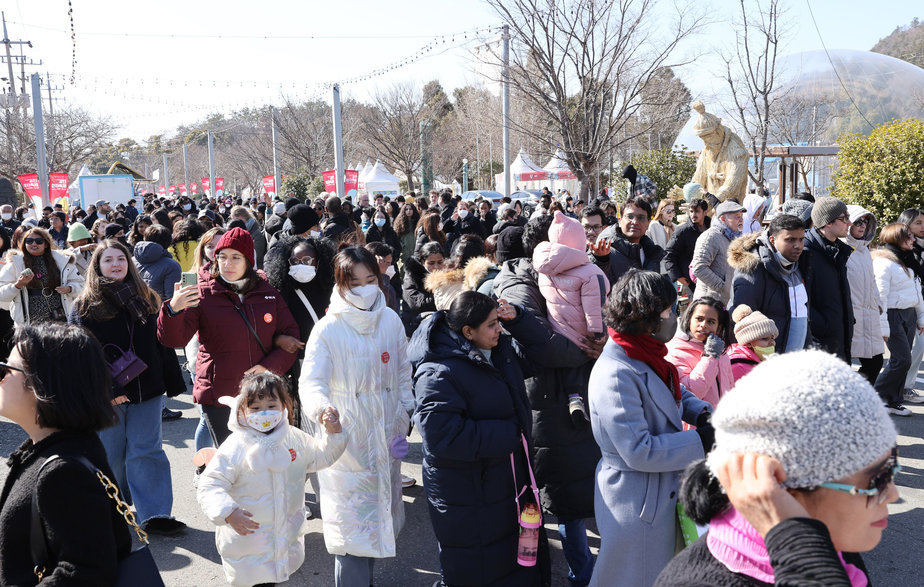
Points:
(191, 559)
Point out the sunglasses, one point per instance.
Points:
(303, 261)
(6, 368)
(33, 240)
(861, 222)
(878, 483)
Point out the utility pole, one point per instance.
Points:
(338, 143)
(276, 185)
(185, 170)
(166, 176)
(506, 103)
(40, 160)
(211, 167)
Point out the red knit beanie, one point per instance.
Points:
(239, 240)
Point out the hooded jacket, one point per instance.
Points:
(574, 289)
(763, 284)
(710, 264)
(17, 300)
(157, 268)
(867, 332)
(830, 305)
(265, 475)
(471, 412)
(447, 284)
(743, 359)
(898, 288)
(226, 346)
(356, 360)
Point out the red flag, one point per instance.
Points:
(30, 184)
(205, 184)
(162, 190)
(194, 188)
(269, 185)
(57, 188)
(182, 189)
(351, 182)
(330, 182)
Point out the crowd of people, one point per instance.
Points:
(562, 361)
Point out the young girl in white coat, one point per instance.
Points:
(253, 489)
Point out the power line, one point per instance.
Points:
(838, 75)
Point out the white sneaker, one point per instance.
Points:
(898, 410)
(407, 481)
(913, 397)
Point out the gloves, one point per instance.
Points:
(714, 346)
(704, 419)
(399, 448)
(706, 435)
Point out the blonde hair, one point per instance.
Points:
(199, 258)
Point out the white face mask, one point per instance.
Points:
(390, 272)
(463, 214)
(439, 227)
(186, 207)
(364, 296)
(6, 216)
(380, 222)
(314, 233)
(264, 421)
(302, 273)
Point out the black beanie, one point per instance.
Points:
(510, 244)
(301, 218)
(291, 202)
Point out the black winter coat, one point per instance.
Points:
(566, 456)
(416, 298)
(471, 413)
(86, 535)
(153, 381)
(830, 306)
(678, 253)
(423, 239)
(625, 255)
(501, 225)
(454, 229)
(336, 226)
(760, 284)
(386, 235)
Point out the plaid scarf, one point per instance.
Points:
(124, 295)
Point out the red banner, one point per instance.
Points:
(531, 176)
(172, 190)
(350, 183)
(162, 190)
(194, 188)
(182, 189)
(269, 185)
(564, 175)
(57, 189)
(30, 184)
(219, 186)
(205, 184)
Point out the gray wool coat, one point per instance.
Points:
(710, 264)
(637, 424)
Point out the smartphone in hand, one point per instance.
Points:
(189, 278)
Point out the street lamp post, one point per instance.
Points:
(464, 175)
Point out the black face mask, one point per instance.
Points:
(666, 328)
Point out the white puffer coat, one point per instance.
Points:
(898, 287)
(356, 361)
(867, 332)
(17, 300)
(265, 475)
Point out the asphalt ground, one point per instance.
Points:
(190, 559)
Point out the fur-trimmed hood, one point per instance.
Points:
(477, 270)
(743, 253)
(443, 279)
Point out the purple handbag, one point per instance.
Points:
(128, 365)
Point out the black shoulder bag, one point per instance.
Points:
(249, 327)
(137, 569)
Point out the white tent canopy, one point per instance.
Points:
(523, 173)
(365, 171)
(381, 181)
(560, 174)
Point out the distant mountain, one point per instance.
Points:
(905, 42)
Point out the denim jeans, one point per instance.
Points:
(142, 471)
(202, 438)
(577, 553)
(917, 353)
(352, 571)
(891, 381)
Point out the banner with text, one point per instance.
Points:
(30, 184)
(57, 190)
(269, 185)
(182, 189)
(350, 182)
(219, 186)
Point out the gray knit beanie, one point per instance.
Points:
(751, 325)
(810, 411)
(826, 210)
(801, 209)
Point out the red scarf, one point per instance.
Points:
(646, 349)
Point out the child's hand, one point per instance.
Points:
(331, 421)
(241, 521)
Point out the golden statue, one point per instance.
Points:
(722, 167)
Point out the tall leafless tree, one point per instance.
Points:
(391, 126)
(585, 65)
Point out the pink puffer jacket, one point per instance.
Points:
(743, 359)
(574, 288)
(707, 377)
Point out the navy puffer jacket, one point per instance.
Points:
(471, 412)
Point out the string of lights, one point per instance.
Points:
(70, 15)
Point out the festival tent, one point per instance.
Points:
(73, 190)
(364, 172)
(380, 181)
(524, 174)
(561, 175)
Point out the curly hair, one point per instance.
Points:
(187, 231)
(403, 223)
(276, 263)
(635, 303)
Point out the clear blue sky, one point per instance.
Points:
(123, 48)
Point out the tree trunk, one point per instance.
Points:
(410, 179)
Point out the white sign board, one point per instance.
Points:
(115, 189)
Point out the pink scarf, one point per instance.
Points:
(737, 545)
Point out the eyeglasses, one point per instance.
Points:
(303, 261)
(845, 219)
(878, 483)
(6, 368)
(34, 240)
